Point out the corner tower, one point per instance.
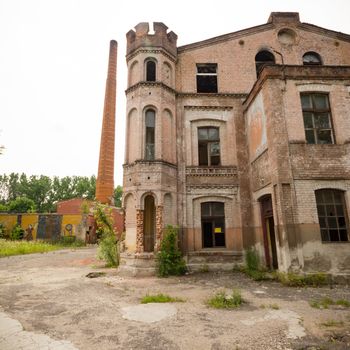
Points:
(150, 169)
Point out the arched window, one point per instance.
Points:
(312, 59)
(263, 58)
(150, 122)
(332, 215)
(150, 70)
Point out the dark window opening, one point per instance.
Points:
(208, 146)
(213, 224)
(262, 59)
(207, 81)
(151, 71)
(312, 59)
(150, 134)
(149, 224)
(332, 217)
(317, 118)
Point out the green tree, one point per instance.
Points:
(21, 205)
(108, 249)
(118, 192)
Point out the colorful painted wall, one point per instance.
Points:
(48, 226)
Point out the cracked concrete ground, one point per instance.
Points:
(47, 302)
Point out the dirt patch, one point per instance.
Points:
(49, 293)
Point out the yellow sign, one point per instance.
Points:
(217, 230)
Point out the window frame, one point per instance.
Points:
(147, 61)
(316, 55)
(150, 152)
(325, 216)
(314, 111)
(208, 143)
(200, 76)
(259, 64)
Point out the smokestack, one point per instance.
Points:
(105, 177)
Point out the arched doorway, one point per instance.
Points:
(149, 224)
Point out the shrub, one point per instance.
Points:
(221, 301)
(17, 233)
(160, 298)
(169, 258)
(252, 260)
(3, 233)
(108, 249)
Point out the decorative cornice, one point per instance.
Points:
(149, 162)
(208, 108)
(158, 50)
(214, 186)
(149, 84)
(201, 95)
(211, 171)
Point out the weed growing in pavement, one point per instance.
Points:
(324, 303)
(332, 323)
(223, 301)
(160, 298)
(298, 280)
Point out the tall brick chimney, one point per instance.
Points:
(105, 177)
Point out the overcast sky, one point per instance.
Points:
(53, 65)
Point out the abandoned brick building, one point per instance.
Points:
(242, 140)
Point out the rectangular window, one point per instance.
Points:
(317, 118)
(207, 81)
(208, 146)
(332, 215)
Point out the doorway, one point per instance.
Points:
(268, 227)
(213, 224)
(149, 224)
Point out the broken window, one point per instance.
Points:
(317, 118)
(207, 80)
(213, 224)
(150, 134)
(262, 59)
(332, 218)
(312, 59)
(208, 146)
(150, 70)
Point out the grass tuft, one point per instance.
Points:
(324, 303)
(222, 301)
(298, 280)
(332, 323)
(160, 298)
(9, 248)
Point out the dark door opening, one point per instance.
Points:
(149, 224)
(213, 224)
(268, 227)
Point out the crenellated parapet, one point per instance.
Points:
(140, 37)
